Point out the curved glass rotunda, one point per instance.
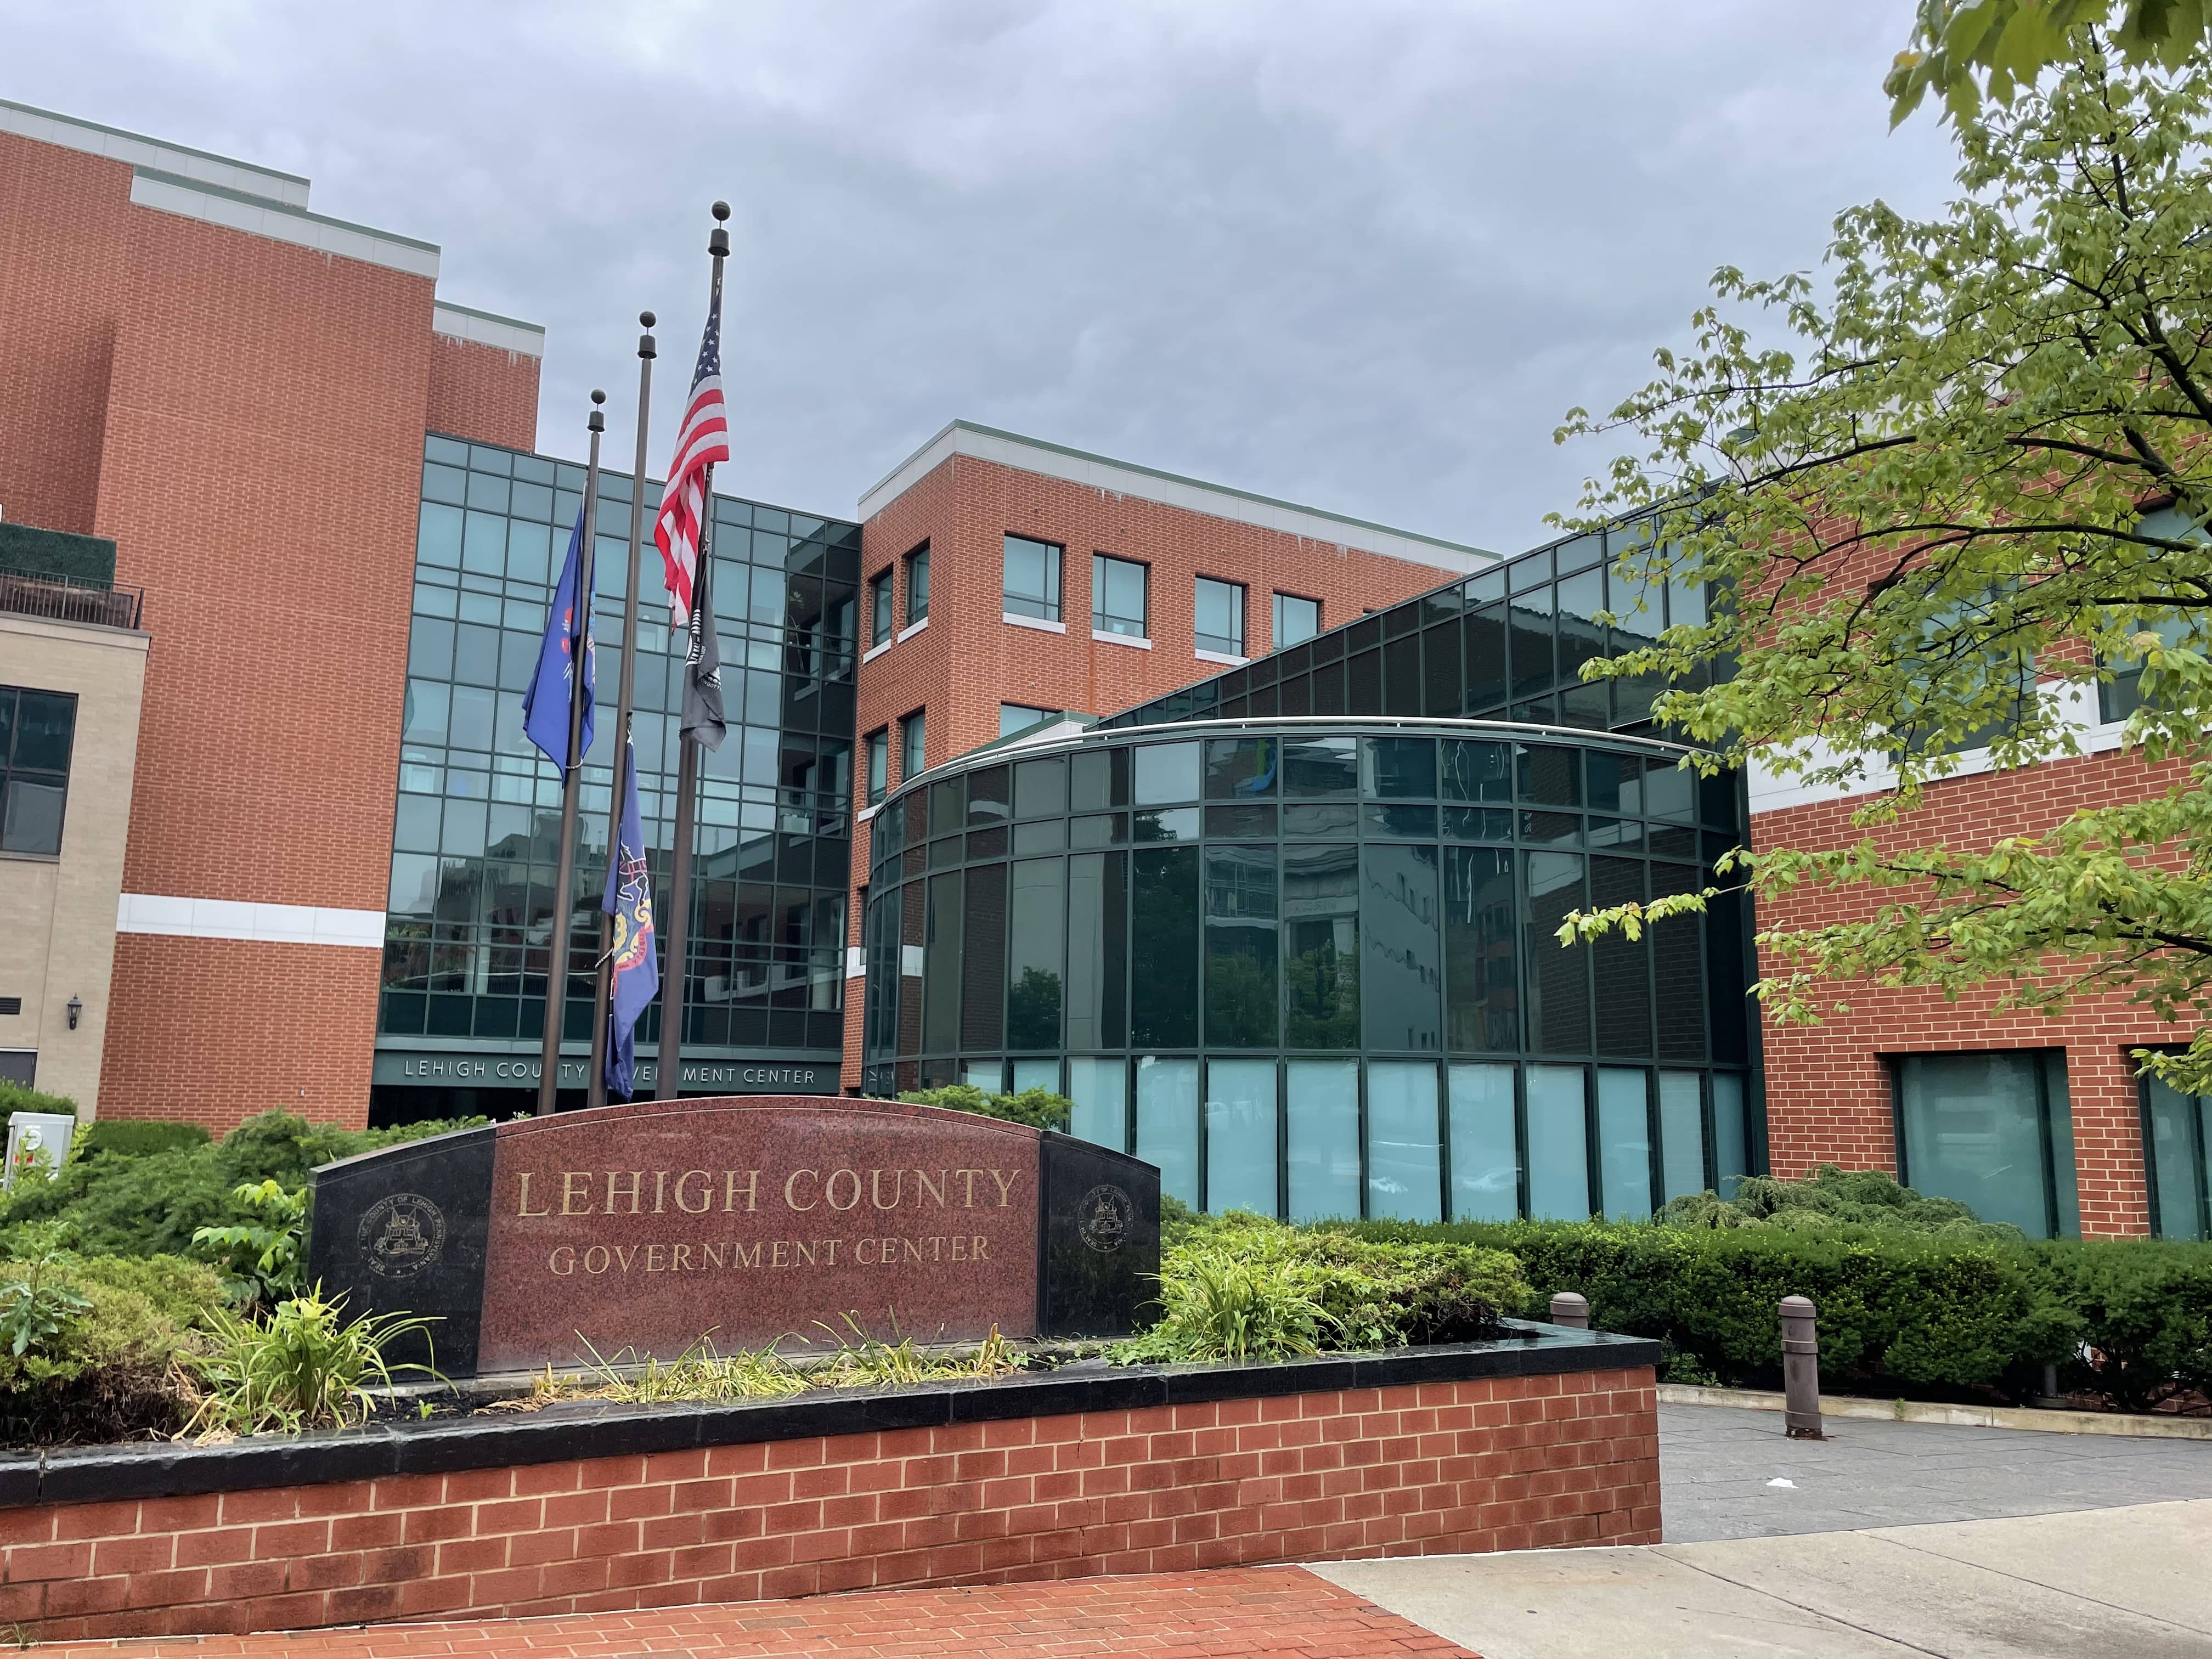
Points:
(1308, 966)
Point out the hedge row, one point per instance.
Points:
(1899, 1315)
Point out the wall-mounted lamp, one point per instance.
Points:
(75, 1011)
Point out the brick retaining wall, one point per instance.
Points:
(1488, 1463)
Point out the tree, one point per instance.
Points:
(1952, 503)
(1963, 50)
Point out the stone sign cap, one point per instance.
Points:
(743, 1220)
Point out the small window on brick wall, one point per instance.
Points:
(38, 730)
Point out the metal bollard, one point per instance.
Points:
(1569, 1308)
(1801, 1370)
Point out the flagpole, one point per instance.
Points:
(645, 355)
(668, 1084)
(564, 900)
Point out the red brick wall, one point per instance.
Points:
(968, 660)
(245, 418)
(1828, 1086)
(1506, 1463)
(482, 393)
(220, 1029)
(61, 217)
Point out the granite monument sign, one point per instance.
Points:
(743, 1220)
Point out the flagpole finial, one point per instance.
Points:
(721, 211)
(645, 346)
(718, 242)
(598, 422)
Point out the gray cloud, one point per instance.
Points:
(1359, 255)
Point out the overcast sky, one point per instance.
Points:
(1360, 255)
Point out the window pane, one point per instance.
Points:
(1240, 947)
(1731, 1134)
(917, 587)
(1099, 962)
(1242, 768)
(1480, 975)
(30, 820)
(983, 975)
(1032, 582)
(1557, 974)
(1240, 1135)
(1398, 769)
(1219, 616)
(1621, 967)
(1164, 996)
(1322, 1155)
(1167, 1123)
(1320, 768)
(988, 1075)
(1559, 1145)
(1035, 957)
(1681, 1133)
(2178, 1152)
(1974, 1131)
(1478, 772)
(1099, 1089)
(1296, 619)
(940, 972)
(1320, 941)
(1016, 717)
(1166, 773)
(1485, 1159)
(1623, 1133)
(1404, 1155)
(46, 723)
(1402, 967)
(1117, 596)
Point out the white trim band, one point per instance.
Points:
(68, 132)
(1221, 656)
(234, 210)
(1145, 483)
(1037, 623)
(484, 328)
(909, 631)
(259, 924)
(1134, 642)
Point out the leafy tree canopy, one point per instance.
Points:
(1963, 50)
(1957, 491)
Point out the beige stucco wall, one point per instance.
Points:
(57, 915)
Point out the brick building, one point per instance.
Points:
(1346, 770)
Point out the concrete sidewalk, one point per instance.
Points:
(2125, 1584)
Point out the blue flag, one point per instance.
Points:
(545, 703)
(635, 975)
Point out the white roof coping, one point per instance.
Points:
(487, 328)
(198, 165)
(1111, 477)
(216, 205)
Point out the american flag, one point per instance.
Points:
(703, 439)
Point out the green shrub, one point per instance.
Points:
(1844, 1203)
(1040, 1109)
(2144, 1307)
(1240, 1286)
(261, 1255)
(21, 1097)
(152, 1205)
(110, 1369)
(306, 1366)
(1928, 1315)
(138, 1137)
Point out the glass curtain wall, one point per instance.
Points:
(1508, 643)
(1312, 971)
(476, 842)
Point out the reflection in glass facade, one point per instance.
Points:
(1307, 966)
(475, 840)
(1505, 644)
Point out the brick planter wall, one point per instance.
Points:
(1487, 1462)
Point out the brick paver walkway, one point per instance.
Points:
(1252, 1610)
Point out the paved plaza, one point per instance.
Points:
(1889, 1539)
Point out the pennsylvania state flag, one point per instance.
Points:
(568, 633)
(634, 975)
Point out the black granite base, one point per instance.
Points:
(404, 1230)
(1099, 1241)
